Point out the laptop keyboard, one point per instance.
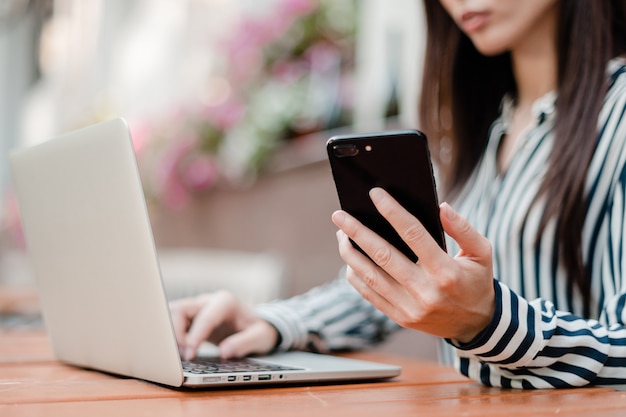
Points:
(217, 365)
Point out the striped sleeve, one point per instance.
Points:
(330, 317)
(533, 345)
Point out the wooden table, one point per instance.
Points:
(33, 382)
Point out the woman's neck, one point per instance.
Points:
(535, 70)
(535, 64)
(535, 76)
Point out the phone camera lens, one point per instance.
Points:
(344, 151)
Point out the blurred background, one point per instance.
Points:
(230, 103)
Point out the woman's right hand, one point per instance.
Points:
(223, 320)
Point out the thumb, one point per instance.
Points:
(471, 242)
(260, 338)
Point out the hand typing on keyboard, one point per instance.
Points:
(222, 319)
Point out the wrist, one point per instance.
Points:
(486, 322)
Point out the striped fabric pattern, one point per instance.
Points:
(538, 337)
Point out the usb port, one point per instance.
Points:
(247, 377)
(232, 378)
(265, 377)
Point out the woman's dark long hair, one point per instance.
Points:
(461, 95)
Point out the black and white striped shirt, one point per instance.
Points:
(538, 337)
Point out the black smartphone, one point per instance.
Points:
(398, 161)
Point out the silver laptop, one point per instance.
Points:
(90, 242)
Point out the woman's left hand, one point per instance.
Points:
(450, 297)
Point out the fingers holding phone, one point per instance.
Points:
(444, 296)
(441, 295)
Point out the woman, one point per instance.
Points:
(525, 106)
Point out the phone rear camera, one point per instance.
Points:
(344, 151)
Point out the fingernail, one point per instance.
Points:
(225, 351)
(376, 195)
(339, 218)
(189, 353)
(448, 211)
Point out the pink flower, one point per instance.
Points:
(172, 190)
(286, 71)
(185, 170)
(295, 8)
(199, 172)
(253, 34)
(245, 63)
(226, 115)
(181, 153)
(323, 56)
